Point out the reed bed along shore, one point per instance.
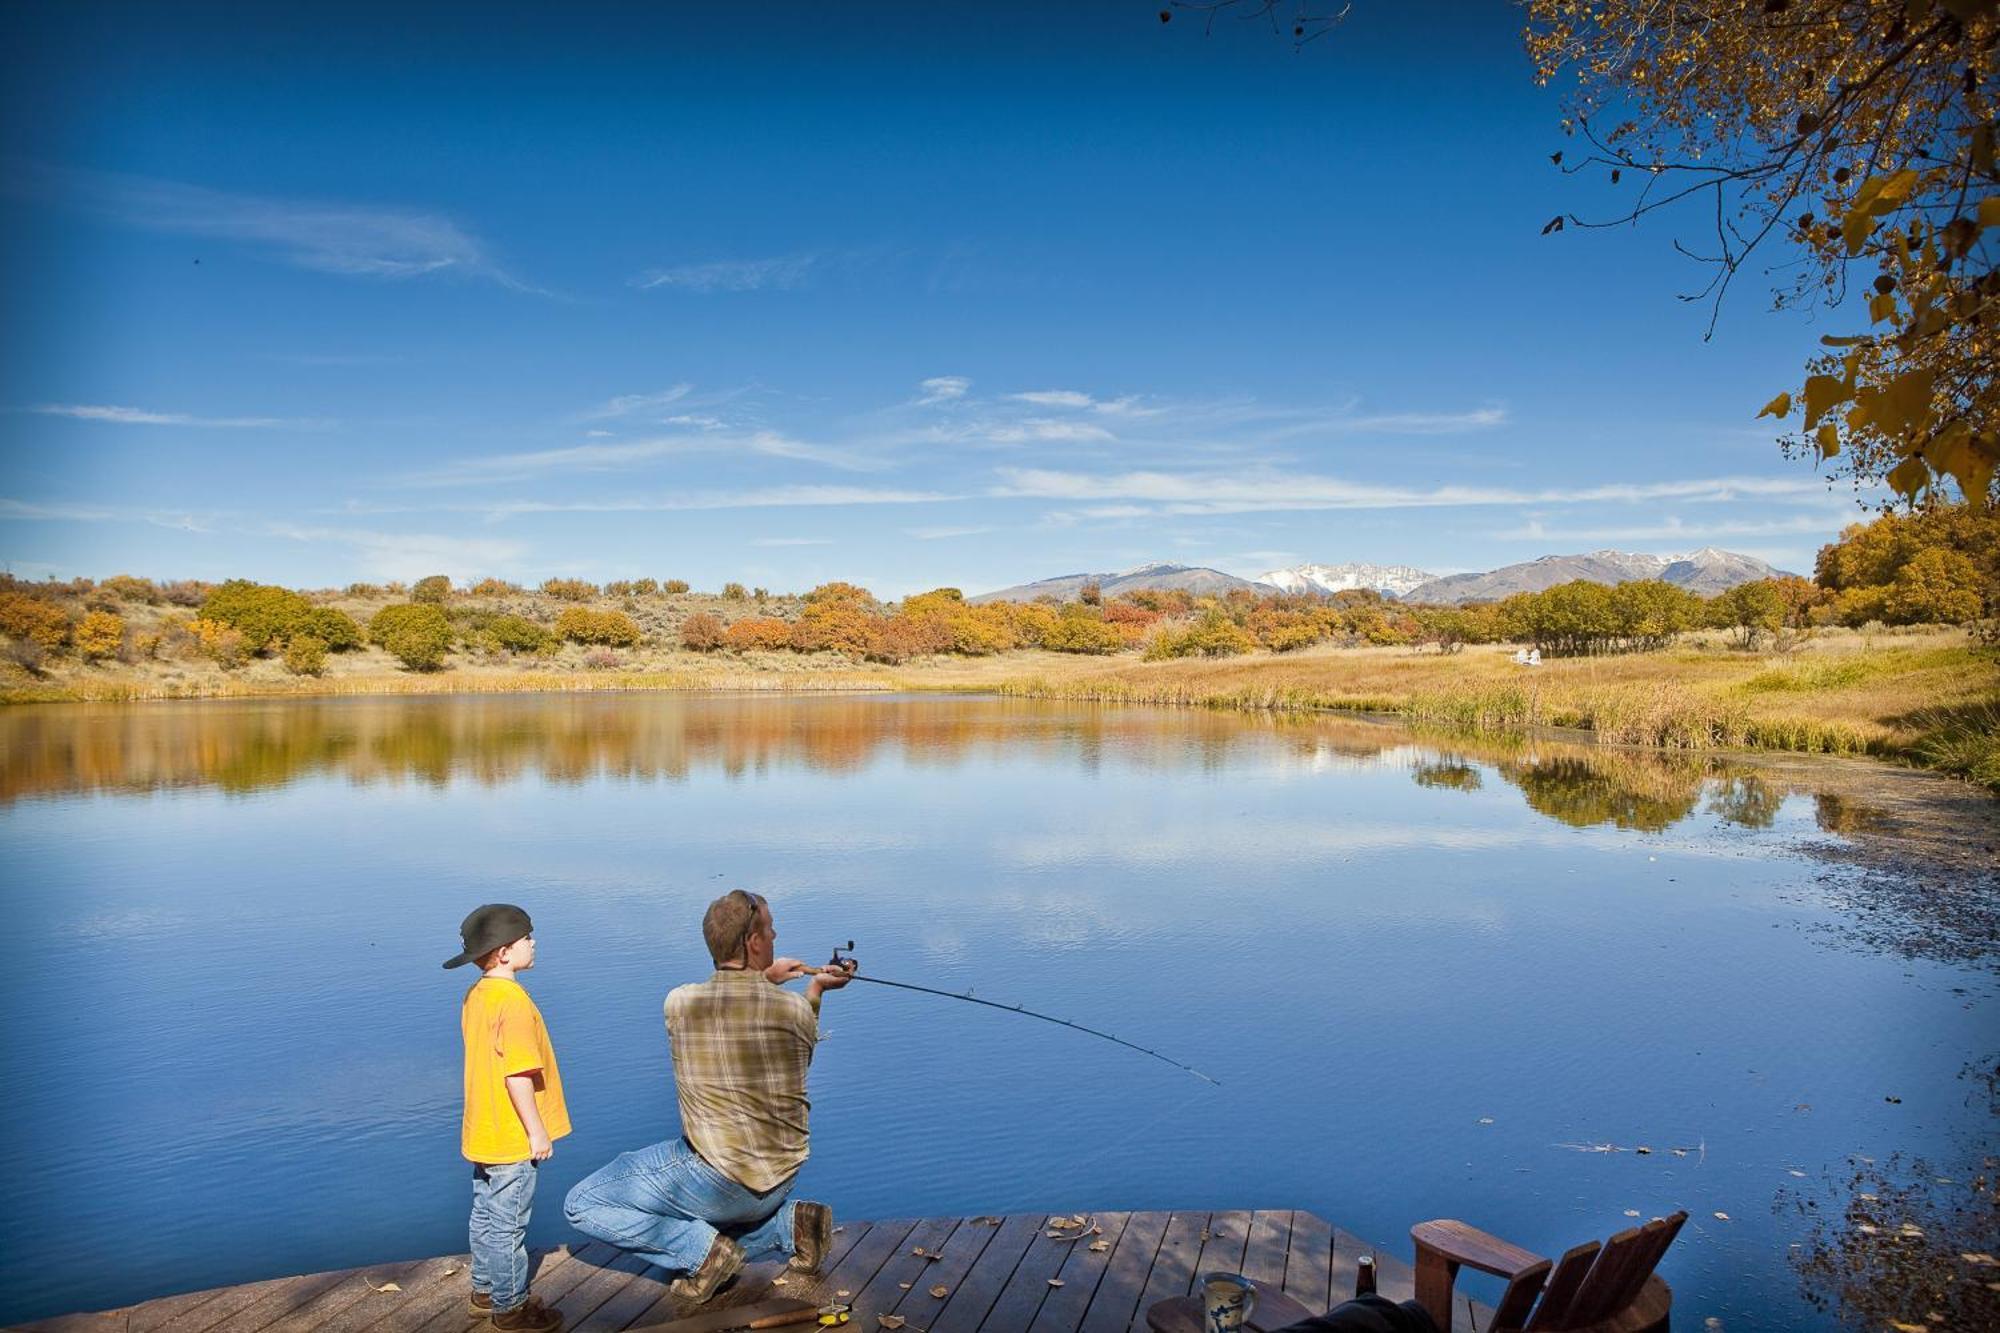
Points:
(1933, 702)
(114, 690)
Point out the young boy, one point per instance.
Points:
(513, 1114)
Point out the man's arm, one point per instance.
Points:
(521, 1092)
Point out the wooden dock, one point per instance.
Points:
(999, 1274)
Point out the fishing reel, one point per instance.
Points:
(840, 959)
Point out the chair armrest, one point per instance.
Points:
(1468, 1245)
(1446, 1245)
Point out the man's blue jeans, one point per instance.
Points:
(502, 1197)
(666, 1205)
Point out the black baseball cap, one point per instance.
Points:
(489, 927)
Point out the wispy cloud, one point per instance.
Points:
(793, 541)
(1206, 493)
(943, 389)
(778, 273)
(1673, 529)
(1129, 405)
(768, 497)
(942, 534)
(496, 468)
(627, 404)
(1398, 423)
(138, 416)
(178, 520)
(409, 555)
(361, 240)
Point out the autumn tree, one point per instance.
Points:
(1841, 143)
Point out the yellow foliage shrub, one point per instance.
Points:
(99, 635)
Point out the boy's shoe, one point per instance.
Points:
(812, 1235)
(724, 1261)
(479, 1305)
(530, 1316)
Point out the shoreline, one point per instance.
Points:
(1929, 702)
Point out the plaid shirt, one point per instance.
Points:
(741, 1048)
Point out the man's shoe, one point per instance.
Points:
(530, 1316)
(479, 1305)
(724, 1261)
(812, 1235)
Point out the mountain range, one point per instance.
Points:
(1706, 572)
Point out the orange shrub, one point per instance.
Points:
(702, 633)
(222, 644)
(24, 617)
(836, 627)
(763, 632)
(569, 590)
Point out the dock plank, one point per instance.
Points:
(1309, 1264)
(885, 1291)
(442, 1309)
(963, 1251)
(1222, 1251)
(1020, 1300)
(1173, 1265)
(1113, 1308)
(996, 1275)
(1081, 1274)
(1264, 1257)
(392, 1309)
(965, 1309)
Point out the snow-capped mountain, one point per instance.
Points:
(1390, 580)
(1707, 572)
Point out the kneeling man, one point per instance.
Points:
(707, 1202)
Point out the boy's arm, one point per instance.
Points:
(521, 1092)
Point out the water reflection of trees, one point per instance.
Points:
(1586, 785)
(252, 746)
(247, 747)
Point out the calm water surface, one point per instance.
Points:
(1433, 981)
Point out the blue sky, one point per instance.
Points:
(905, 294)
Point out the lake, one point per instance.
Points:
(1535, 985)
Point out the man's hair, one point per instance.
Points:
(727, 926)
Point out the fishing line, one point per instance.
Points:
(970, 998)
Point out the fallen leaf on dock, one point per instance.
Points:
(386, 1286)
(1100, 1246)
(940, 1291)
(1902, 1327)
(904, 1285)
(838, 1230)
(1055, 1282)
(891, 1320)
(843, 1295)
(778, 1281)
(918, 1251)
(1978, 1257)
(1722, 1217)
(449, 1271)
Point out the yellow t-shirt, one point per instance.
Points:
(504, 1035)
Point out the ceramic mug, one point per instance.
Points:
(1226, 1302)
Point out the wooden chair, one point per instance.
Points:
(1598, 1288)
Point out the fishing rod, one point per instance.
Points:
(847, 964)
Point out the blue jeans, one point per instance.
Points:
(502, 1197)
(666, 1205)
